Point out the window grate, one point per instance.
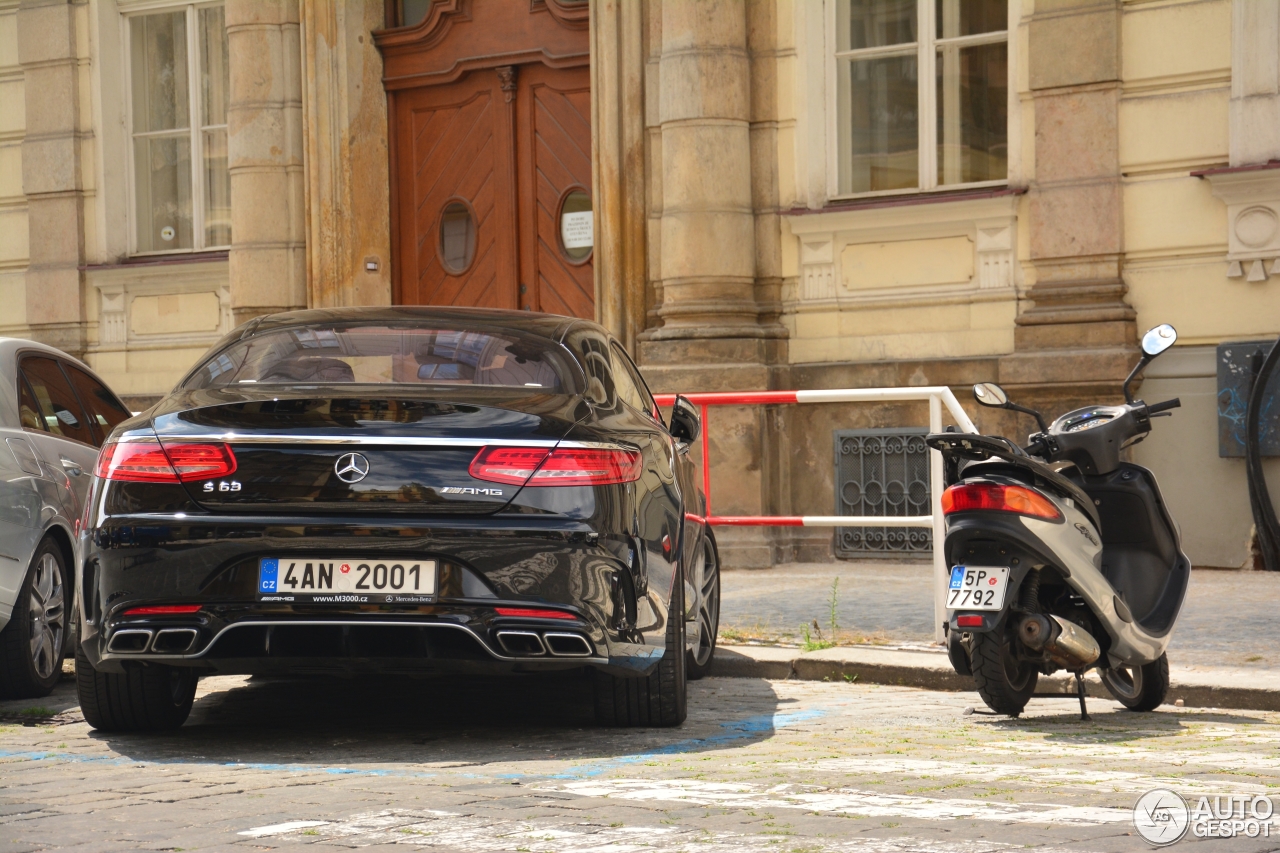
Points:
(882, 472)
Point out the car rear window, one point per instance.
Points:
(391, 355)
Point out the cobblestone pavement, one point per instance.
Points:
(514, 765)
(1229, 618)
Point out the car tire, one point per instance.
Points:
(1004, 683)
(706, 579)
(31, 644)
(1141, 688)
(144, 698)
(659, 698)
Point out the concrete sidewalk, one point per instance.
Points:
(1223, 653)
(1196, 686)
(1229, 619)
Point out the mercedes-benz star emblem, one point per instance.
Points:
(351, 467)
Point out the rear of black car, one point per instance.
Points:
(397, 492)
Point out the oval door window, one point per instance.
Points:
(577, 228)
(457, 237)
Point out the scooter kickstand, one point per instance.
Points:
(1084, 712)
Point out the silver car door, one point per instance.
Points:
(21, 514)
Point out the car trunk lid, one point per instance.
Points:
(360, 454)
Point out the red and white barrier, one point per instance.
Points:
(937, 397)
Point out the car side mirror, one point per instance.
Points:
(1159, 339)
(990, 394)
(685, 423)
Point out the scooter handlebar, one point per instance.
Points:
(1164, 407)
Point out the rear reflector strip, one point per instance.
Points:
(969, 621)
(533, 613)
(163, 610)
(563, 466)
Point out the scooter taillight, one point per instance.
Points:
(968, 497)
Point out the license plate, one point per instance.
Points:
(347, 580)
(977, 587)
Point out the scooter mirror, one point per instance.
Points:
(990, 394)
(1159, 339)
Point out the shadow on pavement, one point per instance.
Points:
(1110, 724)
(326, 722)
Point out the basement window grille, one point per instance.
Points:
(882, 472)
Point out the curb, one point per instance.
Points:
(1197, 687)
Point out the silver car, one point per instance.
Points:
(54, 414)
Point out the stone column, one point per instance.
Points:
(708, 260)
(1078, 333)
(264, 149)
(1255, 82)
(51, 52)
(345, 130)
(618, 165)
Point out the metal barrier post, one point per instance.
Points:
(937, 397)
(940, 569)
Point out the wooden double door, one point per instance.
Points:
(492, 191)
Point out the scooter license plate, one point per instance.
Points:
(977, 587)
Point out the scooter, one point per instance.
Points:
(1063, 556)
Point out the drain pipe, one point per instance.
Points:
(1264, 511)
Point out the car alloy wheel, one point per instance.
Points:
(705, 577)
(48, 616)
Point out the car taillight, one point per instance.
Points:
(969, 621)
(967, 497)
(563, 466)
(200, 461)
(150, 462)
(162, 610)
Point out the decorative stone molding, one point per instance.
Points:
(113, 328)
(1252, 196)
(994, 247)
(817, 270)
(988, 223)
(186, 305)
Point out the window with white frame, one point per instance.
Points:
(922, 91)
(178, 83)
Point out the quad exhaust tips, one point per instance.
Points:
(168, 641)
(526, 644)
(1066, 643)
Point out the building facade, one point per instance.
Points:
(759, 194)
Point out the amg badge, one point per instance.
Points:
(461, 490)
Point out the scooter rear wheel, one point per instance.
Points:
(1004, 682)
(1141, 688)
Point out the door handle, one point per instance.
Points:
(71, 466)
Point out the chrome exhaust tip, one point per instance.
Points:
(174, 641)
(567, 645)
(131, 641)
(1066, 643)
(522, 644)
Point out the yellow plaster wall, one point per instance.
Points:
(1174, 120)
(946, 330)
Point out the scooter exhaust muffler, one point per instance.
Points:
(1066, 643)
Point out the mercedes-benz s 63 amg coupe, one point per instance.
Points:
(400, 491)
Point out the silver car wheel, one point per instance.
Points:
(48, 616)
(706, 576)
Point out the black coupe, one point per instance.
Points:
(400, 491)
